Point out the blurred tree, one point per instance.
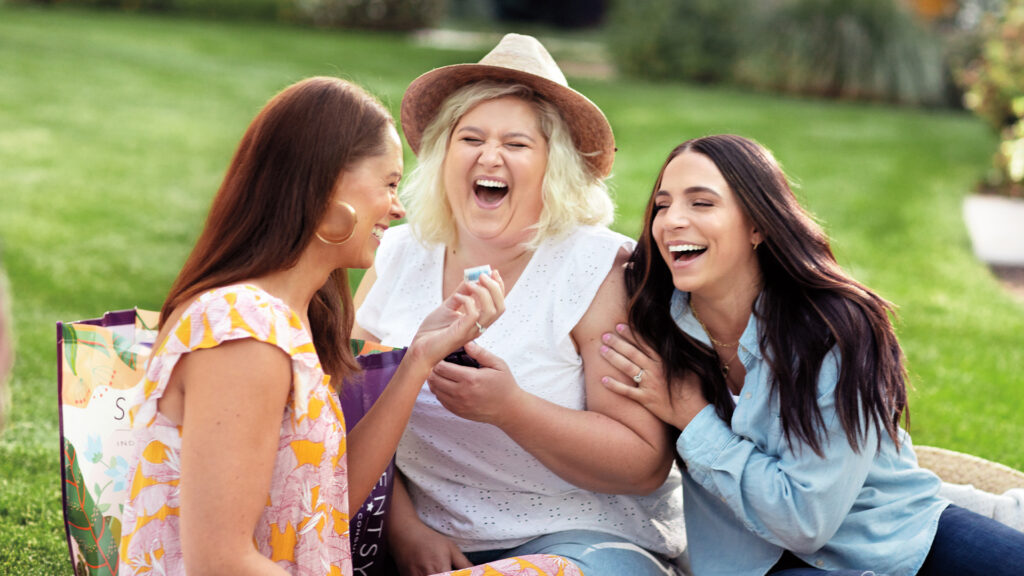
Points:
(564, 14)
(694, 40)
(859, 49)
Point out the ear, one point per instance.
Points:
(755, 238)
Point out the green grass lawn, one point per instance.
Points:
(116, 129)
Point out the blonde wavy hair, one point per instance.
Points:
(572, 195)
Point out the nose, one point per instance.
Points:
(397, 210)
(490, 155)
(676, 217)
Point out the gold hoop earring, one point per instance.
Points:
(352, 227)
(756, 244)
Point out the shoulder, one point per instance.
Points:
(609, 302)
(237, 312)
(592, 248)
(581, 260)
(598, 235)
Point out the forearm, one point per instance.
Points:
(403, 513)
(586, 448)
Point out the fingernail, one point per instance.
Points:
(604, 350)
(606, 337)
(604, 380)
(620, 327)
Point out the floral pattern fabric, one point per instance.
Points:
(531, 565)
(304, 526)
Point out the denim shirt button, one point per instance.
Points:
(819, 563)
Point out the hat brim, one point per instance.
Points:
(591, 132)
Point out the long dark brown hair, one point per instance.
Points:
(808, 307)
(274, 195)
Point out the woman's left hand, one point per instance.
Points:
(481, 394)
(643, 380)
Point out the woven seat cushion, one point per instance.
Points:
(960, 468)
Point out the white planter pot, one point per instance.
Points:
(996, 227)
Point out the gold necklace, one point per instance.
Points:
(723, 366)
(708, 332)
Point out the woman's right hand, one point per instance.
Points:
(461, 317)
(416, 548)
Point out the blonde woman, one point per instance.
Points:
(528, 452)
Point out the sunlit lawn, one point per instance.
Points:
(115, 130)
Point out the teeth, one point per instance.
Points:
(378, 233)
(685, 248)
(491, 184)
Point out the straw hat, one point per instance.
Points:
(516, 59)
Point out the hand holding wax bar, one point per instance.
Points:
(459, 356)
(473, 274)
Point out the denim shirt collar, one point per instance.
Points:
(681, 312)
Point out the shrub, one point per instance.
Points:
(677, 39)
(994, 90)
(861, 49)
(374, 14)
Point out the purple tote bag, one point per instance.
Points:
(367, 528)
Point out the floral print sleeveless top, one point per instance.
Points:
(304, 526)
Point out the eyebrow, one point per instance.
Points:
(519, 135)
(691, 190)
(476, 130)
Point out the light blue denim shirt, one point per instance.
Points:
(747, 496)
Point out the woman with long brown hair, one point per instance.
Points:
(243, 462)
(785, 380)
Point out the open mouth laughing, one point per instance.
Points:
(490, 191)
(686, 252)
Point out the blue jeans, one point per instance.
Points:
(969, 544)
(596, 553)
(966, 544)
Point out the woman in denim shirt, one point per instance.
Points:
(787, 386)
